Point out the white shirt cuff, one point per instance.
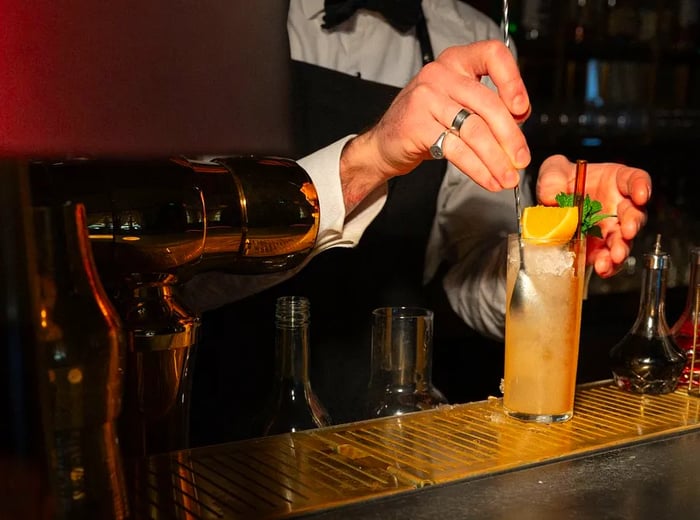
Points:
(335, 228)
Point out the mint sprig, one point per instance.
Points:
(591, 213)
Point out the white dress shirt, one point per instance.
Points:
(471, 223)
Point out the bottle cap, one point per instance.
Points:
(657, 259)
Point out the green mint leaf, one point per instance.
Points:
(564, 200)
(594, 231)
(591, 213)
(597, 218)
(593, 205)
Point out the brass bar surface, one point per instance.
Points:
(295, 474)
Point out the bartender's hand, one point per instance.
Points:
(490, 147)
(622, 190)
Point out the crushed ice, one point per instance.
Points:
(549, 260)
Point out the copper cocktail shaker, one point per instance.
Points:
(156, 223)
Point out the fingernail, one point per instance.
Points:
(522, 157)
(512, 178)
(520, 104)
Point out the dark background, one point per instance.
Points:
(618, 83)
(607, 83)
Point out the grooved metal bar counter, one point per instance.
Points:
(465, 461)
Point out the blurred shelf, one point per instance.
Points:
(620, 125)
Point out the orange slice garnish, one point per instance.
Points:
(549, 222)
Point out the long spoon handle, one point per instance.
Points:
(516, 189)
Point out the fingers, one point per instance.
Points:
(609, 253)
(607, 256)
(634, 183)
(634, 190)
(490, 146)
(474, 160)
(556, 174)
(631, 218)
(494, 59)
(618, 247)
(622, 190)
(498, 109)
(603, 265)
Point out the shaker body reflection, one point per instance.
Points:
(294, 405)
(82, 341)
(162, 338)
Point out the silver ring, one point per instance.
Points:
(436, 149)
(459, 120)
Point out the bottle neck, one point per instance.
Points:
(292, 340)
(651, 319)
(292, 353)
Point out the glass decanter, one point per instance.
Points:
(648, 360)
(686, 330)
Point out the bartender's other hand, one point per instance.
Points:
(622, 190)
(490, 147)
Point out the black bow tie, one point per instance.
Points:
(401, 14)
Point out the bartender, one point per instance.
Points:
(348, 68)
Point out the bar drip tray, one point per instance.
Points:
(291, 475)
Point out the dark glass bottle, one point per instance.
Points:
(25, 490)
(686, 331)
(83, 346)
(648, 360)
(294, 405)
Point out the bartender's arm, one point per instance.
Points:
(351, 174)
(337, 228)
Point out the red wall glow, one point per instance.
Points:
(143, 78)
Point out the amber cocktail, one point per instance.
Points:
(542, 331)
